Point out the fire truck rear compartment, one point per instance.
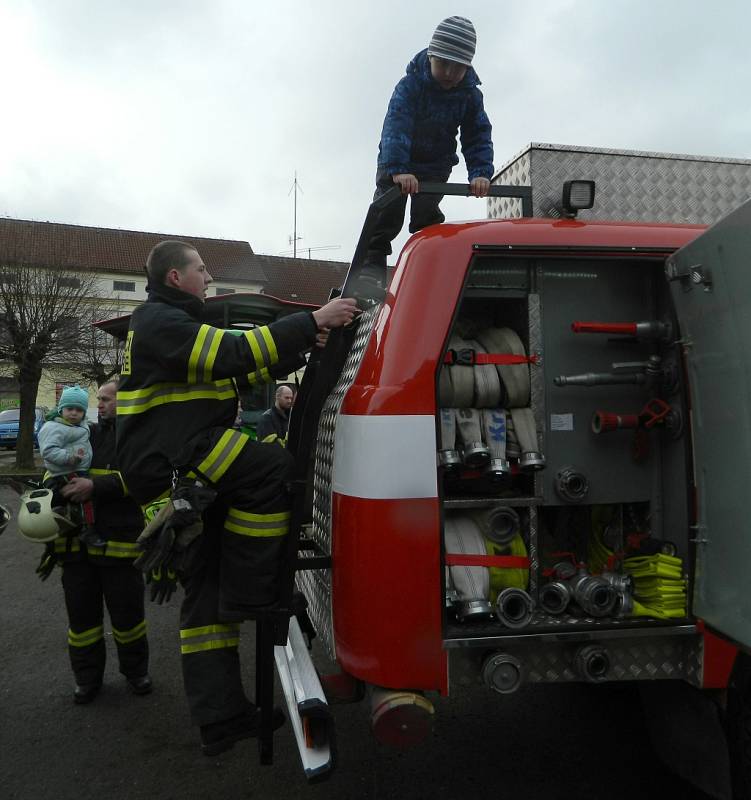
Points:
(571, 564)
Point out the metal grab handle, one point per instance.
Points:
(523, 193)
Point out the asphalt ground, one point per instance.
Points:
(542, 743)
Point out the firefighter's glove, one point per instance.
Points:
(166, 539)
(273, 438)
(46, 563)
(163, 584)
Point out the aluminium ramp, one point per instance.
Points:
(309, 712)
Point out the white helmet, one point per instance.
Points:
(37, 521)
(4, 518)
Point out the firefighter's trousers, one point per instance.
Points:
(88, 586)
(236, 569)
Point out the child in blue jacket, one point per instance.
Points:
(437, 98)
(66, 450)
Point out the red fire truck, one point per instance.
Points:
(527, 463)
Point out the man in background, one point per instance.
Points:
(276, 419)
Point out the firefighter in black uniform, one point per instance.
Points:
(93, 576)
(175, 410)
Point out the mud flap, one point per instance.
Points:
(309, 712)
(687, 734)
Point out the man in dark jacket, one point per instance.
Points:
(175, 410)
(437, 99)
(93, 576)
(275, 420)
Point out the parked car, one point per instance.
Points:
(9, 426)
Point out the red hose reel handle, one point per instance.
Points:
(653, 412)
(627, 328)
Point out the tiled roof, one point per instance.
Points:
(52, 244)
(306, 280)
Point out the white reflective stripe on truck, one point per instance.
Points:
(385, 457)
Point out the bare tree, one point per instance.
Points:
(94, 356)
(38, 307)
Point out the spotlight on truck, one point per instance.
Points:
(577, 195)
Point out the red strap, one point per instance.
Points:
(507, 562)
(469, 358)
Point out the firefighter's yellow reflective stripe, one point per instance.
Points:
(140, 400)
(127, 363)
(259, 376)
(85, 638)
(258, 525)
(61, 545)
(262, 346)
(96, 471)
(126, 637)
(114, 549)
(150, 510)
(222, 454)
(203, 355)
(209, 637)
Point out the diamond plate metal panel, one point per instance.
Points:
(316, 584)
(630, 660)
(632, 185)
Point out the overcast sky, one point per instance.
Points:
(193, 117)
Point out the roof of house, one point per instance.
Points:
(305, 280)
(77, 247)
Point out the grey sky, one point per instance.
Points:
(192, 117)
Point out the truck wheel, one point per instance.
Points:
(738, 722)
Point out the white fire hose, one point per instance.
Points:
(515, 377)
(494, 435)
(472, 584)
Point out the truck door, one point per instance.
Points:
(710, 282)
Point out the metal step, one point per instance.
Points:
(309, 712)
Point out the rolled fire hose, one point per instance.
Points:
(472, 387)
(507, 577)
(514, 377)
(462, 536)
(526, 434)
(486, 379)
(499, 525)
(445, 389)
(493, 422)
(462, 379)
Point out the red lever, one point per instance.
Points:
(653, 412)
(628, 328)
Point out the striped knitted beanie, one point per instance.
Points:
(455, 40)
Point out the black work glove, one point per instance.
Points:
(166, 545)
(163, 583)
(47, 562)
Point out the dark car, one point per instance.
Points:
(9, 426)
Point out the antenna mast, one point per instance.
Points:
(295, 238)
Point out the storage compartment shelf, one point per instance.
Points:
(490, 502)
(491, 633)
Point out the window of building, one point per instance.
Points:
(123, 286)
(74, 283)
(220, 290)
(68, 330)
